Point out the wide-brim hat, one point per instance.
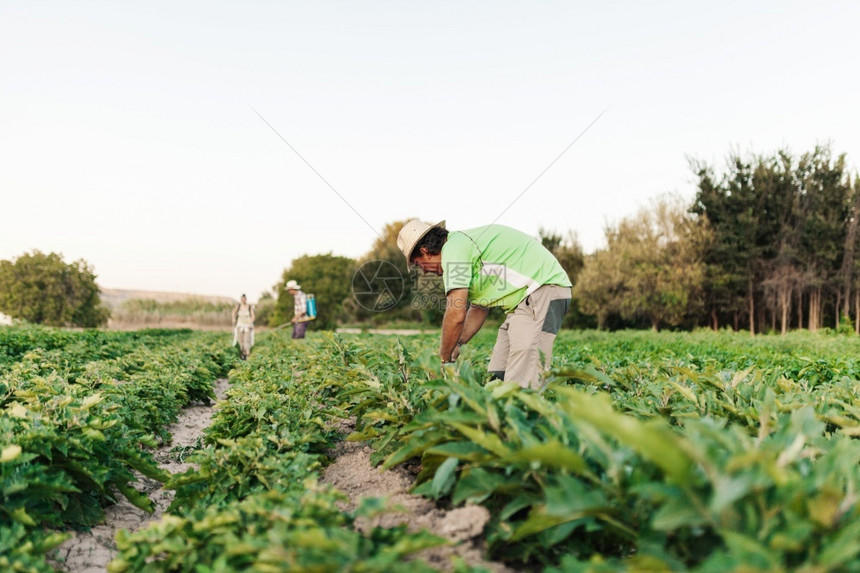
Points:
(291, 284)
(412, 233)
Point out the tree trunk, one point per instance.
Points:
(857, 311)
(847, 270)
(818, 303)
(814, 309)
(752, 307)
(799, 308)
(838, 312)
(715, 323)
(784, 305)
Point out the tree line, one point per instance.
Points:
(783, 251)
(768, 244)
(43, 289)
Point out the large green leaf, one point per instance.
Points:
(552, 454)
(654, 440)
(477, 484)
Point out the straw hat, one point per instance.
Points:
(412, 233)
(291, 284)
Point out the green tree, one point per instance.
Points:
(725, 271)
(651, 269)
(264, 308)
(784, 234)
(781, 274)
(328, 277)
(600, 286)
(663, 269)
(43, 289)
(825, 205)
(748, 211)
(847, 272)
(738, 213)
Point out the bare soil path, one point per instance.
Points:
(90, 552)
(353, 474)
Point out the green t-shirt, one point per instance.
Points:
(500, 266)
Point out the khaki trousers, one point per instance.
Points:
(245, 336)
(523, 347)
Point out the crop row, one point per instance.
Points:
(254, 500)
(75, 426)
(667, 452)
(649, 462)
(75, 348)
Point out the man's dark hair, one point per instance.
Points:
(432, 241)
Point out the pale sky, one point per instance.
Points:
(129, 137)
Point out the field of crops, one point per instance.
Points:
(675, 452)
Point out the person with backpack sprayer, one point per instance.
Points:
(494, 266)
(300, 309)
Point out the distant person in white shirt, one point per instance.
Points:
(243, 327)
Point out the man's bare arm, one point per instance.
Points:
(453, 321)
(474, 321)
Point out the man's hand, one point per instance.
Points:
(456, 353)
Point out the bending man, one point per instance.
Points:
(494, 266)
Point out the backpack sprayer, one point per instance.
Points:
(310, 309)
